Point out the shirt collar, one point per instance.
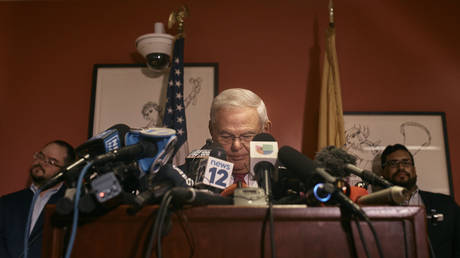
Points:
(53, 190)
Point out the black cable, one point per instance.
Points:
(163, 213)
(374, 233)
(345, 222)
(262, 235)
(183, 222)
(153, 233)
(269, 216)
(406, 251)
(272, 235)
(361, 236)
(270, 211)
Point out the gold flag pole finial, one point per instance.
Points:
(331, 13)
(178, 16)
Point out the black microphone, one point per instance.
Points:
(338, 161)
(196, 160)
(305, 169)
(263, 157)
(192, 196)
(64, 206)
(166, 178)
(106, 141)
(209, 167)
(136, 151)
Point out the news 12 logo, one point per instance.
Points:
(264, 149)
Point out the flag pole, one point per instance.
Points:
(331, 13)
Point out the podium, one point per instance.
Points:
(229, 231)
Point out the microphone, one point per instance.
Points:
(209, 167)
(263, 157)
(368, 176)
(189, 195)
(338, 161)
(153, 147)
(394, 195)
(65, 205)
(106, 141)
(197, 159)
(137, 151)
(109, 140)
(305, 170)
(167, 177)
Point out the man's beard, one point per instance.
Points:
(406, 184)
(37, 180)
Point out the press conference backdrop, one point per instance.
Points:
(133, 95)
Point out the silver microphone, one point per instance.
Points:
(394, 195)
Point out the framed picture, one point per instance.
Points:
(133, 95)
(423, 133)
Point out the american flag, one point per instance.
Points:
(174, 116)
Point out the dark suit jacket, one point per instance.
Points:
(444, 235)
(14, 209)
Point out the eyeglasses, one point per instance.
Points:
(229, 138)
(50, 161)
(395, 163)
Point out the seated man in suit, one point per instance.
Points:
(399, 168)
(14, 207)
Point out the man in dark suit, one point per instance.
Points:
(443, 213)
(14, 207)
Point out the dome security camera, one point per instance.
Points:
(156, 48)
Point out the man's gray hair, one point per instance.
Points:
(238, 97)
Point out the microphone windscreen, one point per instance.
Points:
(172, 174)
(217, 151)
(263, 137)
(334, 159)
(298, 163)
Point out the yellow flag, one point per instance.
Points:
(330, 124)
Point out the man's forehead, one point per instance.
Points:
(55, 151)
(398, 155)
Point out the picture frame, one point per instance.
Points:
(134, 95)
(423, 133)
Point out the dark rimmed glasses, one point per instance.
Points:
(50, 161)
(229, 138)
(407, 163)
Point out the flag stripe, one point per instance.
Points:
(174, 116)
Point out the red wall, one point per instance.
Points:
(394, 56)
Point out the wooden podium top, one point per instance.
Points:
(229, 231)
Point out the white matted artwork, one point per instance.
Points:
(133, 95)
(423, 133)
